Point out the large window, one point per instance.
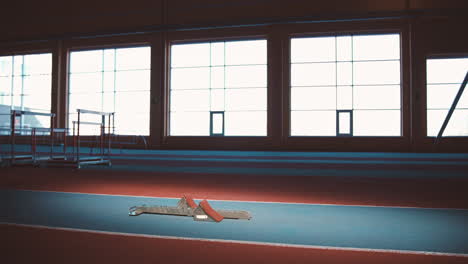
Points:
(444, 78)
(112, 80)
(219, 89)
(25, 84)
(346, 86)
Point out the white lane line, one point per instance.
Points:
(394, 251)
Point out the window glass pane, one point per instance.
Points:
(370, 60)
(443, 95)
(246, 52)
(197, 90)
(376, 123)
(18, 85)
(196, 100)
(217, 77)
(40, 101)
(190, 78)
(133, 58)
(217, 123)
(317, 49)
(131, 113)
(446, 70)
(344, 73)
(37, 84)
(444, 78)
(136, 123)
(117, 81)
(190, 55)
(246, 76)
(246, 99)
(5, 65)
(5, 85)
(108, 100)
(377, 97)
(86, 61)
(315, 74)
(18, 65)
(38, 64)
(457, 126)
(246, 123)
(313, 98)
(109, 81)
(344, 98)
(435, 119)
(343, 48)
(128, 103)
(109, 60)
(376, 47)
(18, 102)
(133, 80)
(217, 54)
(89, 101)
(217, 100)
(379, 72)
(85, 83)
(5, 102)
(190, 124)
(27, 92)
(344, 119)
(313, 123)
(30, 121)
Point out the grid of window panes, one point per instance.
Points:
(357, 73)
(444, 78)
(25, 84)
(111, 80)
(227, 77)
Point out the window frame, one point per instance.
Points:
(428, 139)
(32, 49)
(217, 142)
(345, 143)
(84, 44)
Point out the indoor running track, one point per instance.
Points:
(383, 229)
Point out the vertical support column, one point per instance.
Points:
(159, 75)
(285, 88)
(59, 87)
(417, 51)
(407, 127)
(277, 114)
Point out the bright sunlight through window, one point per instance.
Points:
(219, 89)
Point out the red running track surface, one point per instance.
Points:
(38, 245)
(429, 192)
